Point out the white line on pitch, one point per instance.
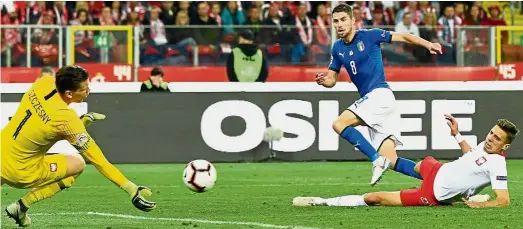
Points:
(204, 221)
(243, 185)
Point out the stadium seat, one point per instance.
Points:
(229, 38)
(207, 55)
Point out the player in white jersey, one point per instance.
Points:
(444, 184)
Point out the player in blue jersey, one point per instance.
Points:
(360, 53)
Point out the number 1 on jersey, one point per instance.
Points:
(22, 123)
(353, 67)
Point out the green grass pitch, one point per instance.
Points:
(256, 195)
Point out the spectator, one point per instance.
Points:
(138, 7)
(11, 36)
(183, 36)
(412, 9)
(205, 36)
(495, 17)
(258, 5)
(407, 26)
(82, 19)
(36, 10)
(496, 20)
(247, 63)
(106, 18)
(45, 36)
(460, 10)
(359, 23)
(118, 13)
(185, 7)
(274, 21)
(168, 15)
(95, 9)
(323, 25)
(133, 19)
(427, 29)
(428, 32)
(473, 17)
(425, 7)
(216, 12)
(46, 71)
(255, 23)
(378, 19)
(156, 32)
(365, 11)
(80, 6)
(482, 12)
(304, 26)
(388, 11)
(232, 16)
(61, 14)
(155, 82)
(448, 22)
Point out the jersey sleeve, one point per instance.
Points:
(335, 64)
(498, 173)
(379, 36)
(75, 133)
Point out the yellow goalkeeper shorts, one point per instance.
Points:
(46, 170)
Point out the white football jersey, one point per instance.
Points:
(469, 174)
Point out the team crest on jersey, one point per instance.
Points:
(361, 46)
(53, 167)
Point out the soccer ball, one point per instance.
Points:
(199, 175)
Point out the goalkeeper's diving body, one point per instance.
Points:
(42, 119)
(447, 183)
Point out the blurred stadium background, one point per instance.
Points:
(478, 78)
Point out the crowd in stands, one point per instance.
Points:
(296, 32)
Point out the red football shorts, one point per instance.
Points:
(423, 196)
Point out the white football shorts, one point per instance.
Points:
(376, 109)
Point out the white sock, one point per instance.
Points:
(346, 201)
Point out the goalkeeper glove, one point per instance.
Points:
(91, 117)
(140, 202)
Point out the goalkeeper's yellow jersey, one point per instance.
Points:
(42, 119)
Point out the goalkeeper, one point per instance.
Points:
(42, 119)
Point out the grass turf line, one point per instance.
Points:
(259, 193)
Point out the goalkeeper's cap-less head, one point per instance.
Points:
(70, 78)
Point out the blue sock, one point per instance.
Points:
(356, 139)
(406, 167)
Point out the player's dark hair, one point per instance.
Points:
(69, 78)
(343, 8)
(157, 71)
(509, 128)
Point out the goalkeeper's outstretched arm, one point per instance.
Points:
(76, 134)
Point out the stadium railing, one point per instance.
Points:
(125, 46)
(38, 45)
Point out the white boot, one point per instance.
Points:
(379, 167)
(21, 218)
(302, 201)
(479, 198)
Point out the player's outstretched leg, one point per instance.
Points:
(18, 209)
(344, 126)
(369, 199)
(399, 164)
(75, 165)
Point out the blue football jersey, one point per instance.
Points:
(362, 59)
